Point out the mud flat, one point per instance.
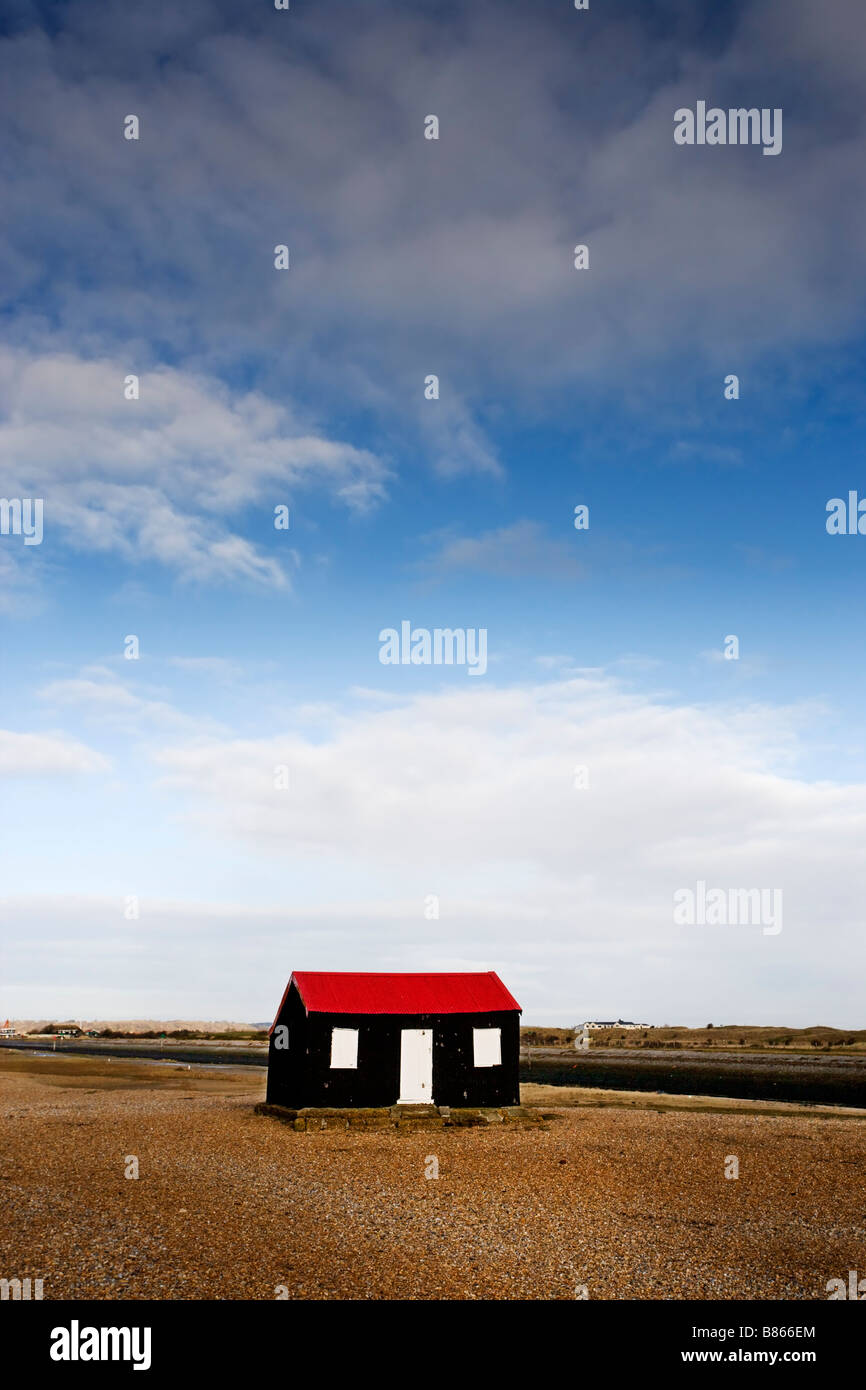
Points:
(233, 1054)
(789, 1076)
(629, 1201)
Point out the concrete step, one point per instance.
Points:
(405, 1117)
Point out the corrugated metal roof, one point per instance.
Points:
(345, 992)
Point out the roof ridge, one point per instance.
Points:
(401, 992)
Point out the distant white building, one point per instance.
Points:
(7, 1031)
(617, 1023)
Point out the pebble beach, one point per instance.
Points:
(610, 1201)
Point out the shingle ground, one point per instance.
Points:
(631, 1203)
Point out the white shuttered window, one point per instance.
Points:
(487, 1046)
(344, 1047)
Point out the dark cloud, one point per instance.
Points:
(411, 256)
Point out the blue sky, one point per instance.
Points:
(153, 778)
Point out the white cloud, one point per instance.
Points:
(168, 477)
(105, 700)
(386, 782)
(471, 795)
(35, 755)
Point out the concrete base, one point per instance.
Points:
(406, 1117)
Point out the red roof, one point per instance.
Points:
(344, 992)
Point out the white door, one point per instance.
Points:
(416, 1066)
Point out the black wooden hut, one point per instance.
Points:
(342, 1039)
